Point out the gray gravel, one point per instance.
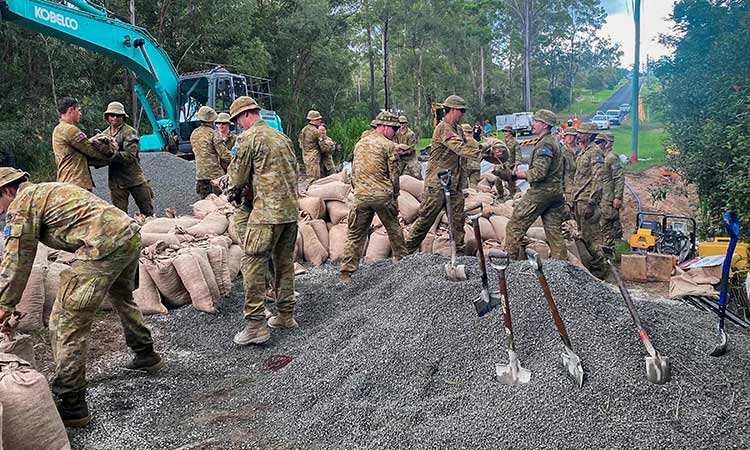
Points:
(399, 360)
(172, 178)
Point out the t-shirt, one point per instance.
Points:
(487, 129)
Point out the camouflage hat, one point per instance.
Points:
(115, 108)
(570, 131)
(507, 128)
(588, 128)
(606, 136)
(222, 118)
(10, 174)
(373, 124)
(546, 116)
(386, 118)
(466, 127)
(403, 119)
(499, 145)
(313, 115)
(455, 102)
(206, 114)
(242, 104)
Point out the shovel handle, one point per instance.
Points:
(444, 176)
(507, 320)
(480, 250)
(537, 264)
(631, 308)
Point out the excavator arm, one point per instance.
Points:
(98, 30)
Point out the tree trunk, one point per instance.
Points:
(527, 55)
(387, 102)
(131, 81)
(420, 59)
(571, 73)
(371, 57)
(481, 77)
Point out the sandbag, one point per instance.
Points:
(426, 245)
(191, 274)
(167, 225)
(485, 187)
(537, 233)
(408, 206)
(299, 249)
(32, 300)
(413, 186)
(334, 190)
(486, 230)
(489, 177)
(441, 245)
(21, 345)
(338, 212)
(167, 280)
(313, 250)
(211, 203)
(218, 257)
(470, 241)
(234, 256)
(222, 241)
(214, 224)
(30, 420)
(152, 238)
(321, 230)
(147, 296)
(540, 247)
(201, 255)
(312, 208)
(475, 200)
(337, 241)
(341, 177)
(232, 231)
(502, 209)
(498, 224)
(379, 246)
(51, 286)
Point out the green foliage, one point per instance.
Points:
(346, 132)
(705, 99)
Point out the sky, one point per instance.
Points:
(654, 21)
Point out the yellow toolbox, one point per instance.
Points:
(718, 246)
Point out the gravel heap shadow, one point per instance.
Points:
(399, 360)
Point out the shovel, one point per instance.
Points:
(452, 271)
(657, 365)
(732, 225)
(512, 373)
(571, 362)
(487, 300)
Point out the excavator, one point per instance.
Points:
(179, 96)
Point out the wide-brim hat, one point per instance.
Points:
(11, 174)
(386, 118)
(588, 128)
(115, 108)
(313, 115)
(206, 114)
(455, 102)
(570, 131)
(546, 116)
(466, 127)
(403, 119)
(242, 104)
(222, 118)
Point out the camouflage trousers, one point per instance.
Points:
(610, 224)
(360, 219)
(429, 210)
(409, 165)
(142, 194)
(204, 187)
(312, 165)
(591, 236)
(550, 207)
(471, 178)
(269, 255)
(82, 290)
(327, 167)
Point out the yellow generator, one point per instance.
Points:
(671, 235)
(718, 246)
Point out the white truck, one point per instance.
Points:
(520, 122)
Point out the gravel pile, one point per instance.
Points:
(399, 360)
(172, 179)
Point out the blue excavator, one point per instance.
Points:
(179, 96)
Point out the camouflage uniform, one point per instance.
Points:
(309, 143)
(408, 164)
(126, 176)
(514, 157)
(448, 147)
(569, 173)
(72, 151)
(223, 147)
(613, 187)
(544, 198)
(208, 161)
(265, 161)
(107, 244)
(503, 171)
(327, 147)
(471, 168)
(375, 179)
(588, 194)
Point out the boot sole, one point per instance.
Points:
(283, 327)
(77, 423)
(258, 340)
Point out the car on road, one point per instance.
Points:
(625, 108)
(601, 121)
(613, 115)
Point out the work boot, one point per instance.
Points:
(148, 361)
(267, 312)
(345, 277)
(255, 332)
(283, 320)
(73, 410)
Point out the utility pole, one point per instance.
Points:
(634, 113)
(385, 66)
(527, 53)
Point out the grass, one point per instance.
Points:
(586, 101)
(424, 142)
(650, 148)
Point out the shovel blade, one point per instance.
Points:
(486, 302)
(572, 364)
(721, 347)
(512, 374)
(455, 273)
(658, 369)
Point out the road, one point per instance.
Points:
(620, 96)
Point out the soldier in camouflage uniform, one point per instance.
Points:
(375, 179)
(514, 155)
(588, 195)
(73, 150)
(612, 191)
(470, 166)
(504, 170)
(126, 176)
(406, 147)
(449, 145)
(223, 139)
(327, 147)
(209, 160)
(106, 243)
(266, 165)
(309, 143)
(370, 130)
(570, 151)
(545, 195)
